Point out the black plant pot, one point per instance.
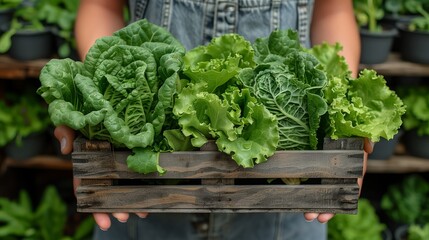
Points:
(414, 45)
(31, 44)
(5, 19)
(387, 234)
(401, 233)
(416, 145)
(392, 21)
(384, 149)
(376, 46)
(30, 146)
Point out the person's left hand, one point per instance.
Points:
(325, 217)
(65, 136)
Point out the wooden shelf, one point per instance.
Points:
(20, 70)
(398, 164)
(394, 66)
(39, 162)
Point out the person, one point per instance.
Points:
(196, 22)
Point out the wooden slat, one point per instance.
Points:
(212, 164)
(20, 70)
(219, 198)
(395, 66)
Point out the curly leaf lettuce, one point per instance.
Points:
(417, 101)
(219, 61)
(241, 127)
(123, 92)
(214, 107)
(358, 107)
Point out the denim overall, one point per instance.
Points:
(196, 22)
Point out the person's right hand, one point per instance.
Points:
(65, 136)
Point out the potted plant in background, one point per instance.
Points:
(364, 225)
(7, 7)
(415, 34)
(26, 120)
(61, 15)
(416, 119)
(407, 204)
(385, 149)
(376, 40)
(27, 37)
(18, 219)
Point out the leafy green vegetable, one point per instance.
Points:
(219, 61)
(139, 89)
(368, 13)
(214, 106)
(9, 4)
(421, 21)
(364, 225)
(123, 92)
(21, 116)
(18, 219)
(408, 201)
(417, 232)
(358, 107)
(417, 115)
(289, 82)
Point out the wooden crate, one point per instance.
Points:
(209, 181)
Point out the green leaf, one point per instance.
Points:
(144, 161)
(369, 109)
(124, 90)
(219, 61)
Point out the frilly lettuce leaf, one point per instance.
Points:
(241, 127)
(417, 101)
(219, 61)
(357, 107)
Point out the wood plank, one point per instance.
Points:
(213, 164)
(39, 162)
(20, 70)
(218, 198)
(395, 66)
(398, 164)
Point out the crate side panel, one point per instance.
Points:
(302, 198)
(212, 164)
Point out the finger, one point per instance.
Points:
(122, 217)
(65, 136)
(325, 217)
(142, 215)
(76, 183)
(368, 145)
(102, 220)
(309, 217)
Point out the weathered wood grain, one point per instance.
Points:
(212, 164)
(211, 181)
(212, 198)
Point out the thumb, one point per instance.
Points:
(65, 136)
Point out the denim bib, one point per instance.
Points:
(196, 22)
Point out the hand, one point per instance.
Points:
(325, 217)
(65, 136)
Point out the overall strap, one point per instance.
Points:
(137, 9)
(166, 14)
(275, 19)
(303, 23)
